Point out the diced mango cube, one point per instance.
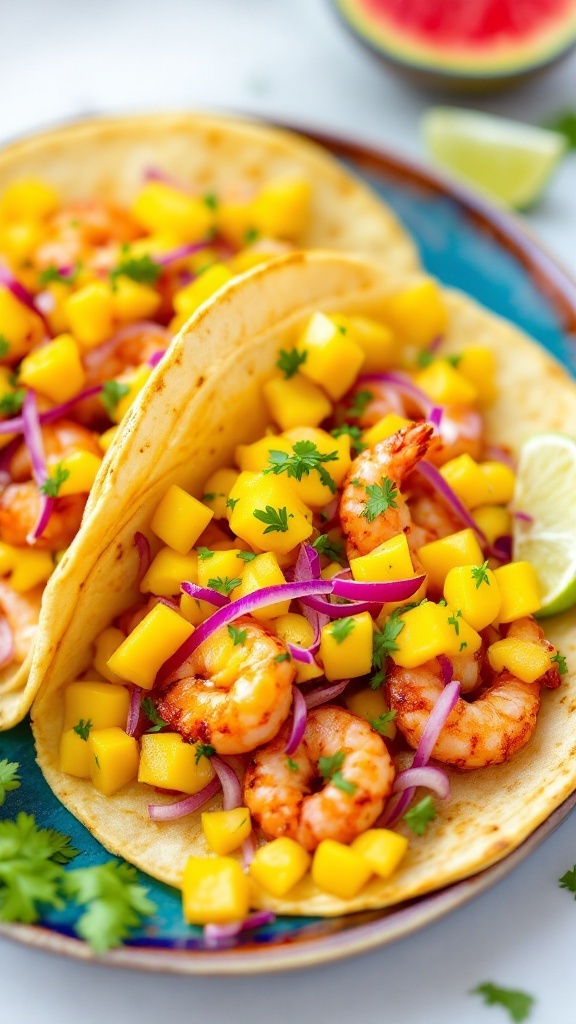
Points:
(8, 558)
(105, 645)
(203, 287)
(169, 762)
(467, 480)
(135, 382)
(134, 301)
(296, 402)
(445, 385)
(384, 428)
(382, 849)
(494, 521)
(523, 659)
(310, 489)
(268, 515)
(375, 339)
(461, 635)
(81, 467)
(215, 890)
(31, 567)
(217, 491)
(28, 199)
(20, 239)
(155, 639)
(55, 369)
(339, 870)
(371, 705)
(225, 831)
(346, 647)
(16, 325)
(440, 556)
(106, 439)
(279, 865)
(74, 755)
(478, 364)
(418, 314)
(235, 220)
(195, 611)
(391, 560)
(332, 360)
(57, 317)
(295, 629)
(281, 208)
(500, 482)
(179, 519)
(474, 591)
(90, 313)
(167, 571)
(519, 589)
(255, 457)
(113, 759)
(161, 208)
(102, 704)
(263, 571)
(426, 633)
(220, 566)
(330, 571)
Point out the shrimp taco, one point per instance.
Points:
(111, 234)
(293, 636)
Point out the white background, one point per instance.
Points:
(288, 59)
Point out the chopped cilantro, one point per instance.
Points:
(238, 636)
(96, 760)
(115, 900)
(82, 728)
(204, 553)
(31, 872)
(289, 362)
(250, 236)
(330, 771)
(453, 621)
(453, 360)
(53, 483)
(424, 358)
(568, 881)
(142, 269)
(246, 556)
(359, 403)
(480, 574)
(149, 709)
(12, 402)
(355, 434)
(9, 778)
(380, 724)
(564, 122)
(341, 628)
(518, 1004)
(210, 496)
(282, 657)
(112, 392)
(4, 346)
(210, 200)
(53, 273)
(356, 482)
(380, 499)
(463, 645)
(276, 518)
(204, 750)
(383, 643)
(419, 817)
(324, 545)
(293, 766)
(306, 457)
(224, 586)
(561, 662)
(231, 503)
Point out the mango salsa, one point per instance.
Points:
(169, 762)
(113, 759)
(280, 865)
(215, 890)
(225, 831)
(339, 870)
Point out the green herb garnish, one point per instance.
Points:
(53, 483)
(204, 750)
(276, 518)
(115, 900)
(142, 269)
(359, 403)
(112, 392)
(204, 553)
(224, 586)
(283, 657)
(518, 1004)
(419, 817)
(380, 724)
(561, 662)
(238, 636)
(246, 556)
(380, 499)
(324, 545)
(480, 574)
(306, 457)
(82, 728)
(12, 402)
(9, 778)
(341, 628)
(289, 362)
(330, 771)
(293, 766)
(149, 709)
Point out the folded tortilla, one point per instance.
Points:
(107, 158)
(204, 399)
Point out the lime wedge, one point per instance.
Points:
(508, 160)
(546, 491)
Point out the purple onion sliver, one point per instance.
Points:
(377, 593)
(446, 668)
(395, 809)
(143, 546)
(444, 491)
(156, 357)
(205, 594)
(402, 383)
(502, 548)
(46, 509)
(134, 710)
(231, 788)
(169, 812)
(6, 643)
(524, 517)
(180, 253)
(299, 713)
(322, 694)
(21, 293)
(435, 417)
(216, 934)
(428, 777)
(436, 722)
(341, 611)
(33, 437)
(305, 655)
(435, 344)
(16, 425)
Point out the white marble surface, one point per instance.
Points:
(287, 59)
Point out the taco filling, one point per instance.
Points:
(331, 629)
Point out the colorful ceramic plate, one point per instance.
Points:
(488, 254)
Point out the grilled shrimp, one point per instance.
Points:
(478, 733)
(74, 230)
(21, 611)
(235, 696)
(382, 466)
(19, 511)
(59, 439)
(300, 803)
(128, 349)
(460, 433)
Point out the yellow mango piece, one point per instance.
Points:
(195, 611)
(295, 629)
(467, 480)
(418, 314)
(55, 369)
(384, 428)
(81, 467)
(438, 557)
(255, 457)
(382, 849)
(8, 558)
(310, 489)
(217, 491)
(375, 339)
(167, 571)
(57, 317)
(268, 515)
(102, 704)
(474, 591)
(500, 482)
(135, 383)
(445, 385)
(74, 755)
(90, 313)
(189, 298)
(28, 199)
(169, 762)
(296, 402)
(263, 571)
(346, 647)
(525, 660)
(389, 561)
(279, 865)
(330, 571)
(339, 870)
(105, 645)
(494, 521)
(371, 705)
(478, 365)
(250, 258)
(333, 360)
(221, 565)
(179, 519)
(225, 831)
(426, 633)
(235, 220)
(163, 209)
(215, 890)
(31, 567)
(20, 239)
(113, 759)
(461, 636)
(134, 301)
(16, 324)
(106, 439)
(155, 639)
(281, 209)
(519, 590)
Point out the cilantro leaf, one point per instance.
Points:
(380, 499)
(345, 785)
(330, 770)
(341, 628)
(9, 778)
(283, 657)
(12, 402)
(277, 518)
(518, 1004)
(112, 392)
(568, 881)
(204, 750)
(231, 503)
(355, 434)
(381, 723)
(359, 403)
(210, 495)
(204, 553)
(30, 868)
(82, 728)
(453, 621)
(325, 545)
(419, 816)
(238, 636)
(565, 123)
(115, 900)
(53, 483)
(293, 765)
(54, 273)
(251, 235)
(142, 269)
(210, 200)
(561, 662)
(306, 457)
(246, 556)
(224, 586)
(4, 346)
(289, 362)
(453, 360)
(480, 574)
(149, 708)
(424, 358)
(385, 641)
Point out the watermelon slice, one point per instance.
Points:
(465, 42)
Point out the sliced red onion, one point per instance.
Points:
(35, 444)
(243, 606)
(428, 777)
(16, 425)
(157, 174)
(323, 694)
(170, 602)
(446, 668)
(20, 293)
(403, 384)
(340, 611)
(223, 934)
(205, 594)
(377, 593)
(143, 545)
(181, 252)
(156, 357)
(299, 712)
(435, 344)
(524, 517)
(248, 850)
(6, 643)
(231, 788)
(502, 548)
(308, 568)
(435, 417)
(305, 655)
(445, 492)
(134, 710)
(169, 812)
